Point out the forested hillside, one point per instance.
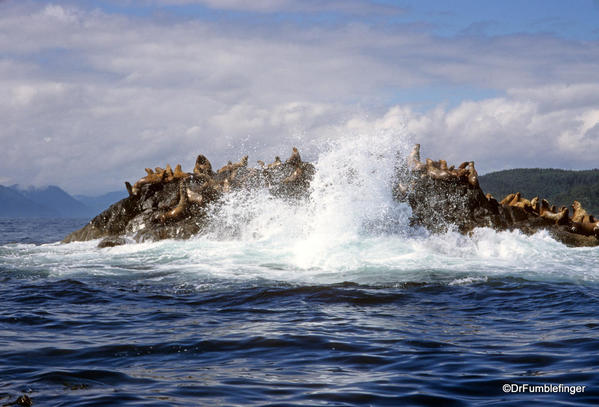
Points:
(559, 187)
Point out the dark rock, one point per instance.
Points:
(167, 204)
(111, 242)
(454, 200)
(173, 205)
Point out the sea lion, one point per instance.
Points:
(242, 163)
(585, 228)
(179, 174)
(515, 199)
(579, 215)
(560, 218)
(261, 163)
(153, 178)
(507, 199)
(522, 203)
(226, 168)
(295, 158)
(276, 163)
(473, 175)
(181, 208)
(414, 159)
(434, 171)
(149, 171)
(203, 166)
(129, 188)
(545, 206)
(534, 203)
(169, 171)
(462, 172)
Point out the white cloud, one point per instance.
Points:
(115, 94)
(274, 6)
(505, 132)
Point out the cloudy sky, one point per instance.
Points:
(92, 92)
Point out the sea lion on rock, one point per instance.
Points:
(472, 175)
(515, 199)
(462, 172)
(153, 178)
(179, 174)
(203, 166)
(580, 215)
(586, 228)
(560, 218)
(295, 158)
(414, 159)
(534, 203)
(507, 199)
(276, 163)
(181, 208)
(522, 203)
(129, 188)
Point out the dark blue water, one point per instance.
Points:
(157, 339)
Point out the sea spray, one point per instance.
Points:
(348, 228)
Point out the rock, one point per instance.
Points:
(167, 204)
(111, 242)
(441, 198)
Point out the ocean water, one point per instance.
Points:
(333, 301)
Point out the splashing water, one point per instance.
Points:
(349, 228)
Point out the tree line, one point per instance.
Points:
(559, 187)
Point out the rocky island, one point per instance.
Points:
(169, 203)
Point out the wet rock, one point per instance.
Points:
(111, 242)
(167, 204)
(442, 198)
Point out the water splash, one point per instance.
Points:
(349, 228)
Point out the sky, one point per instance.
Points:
(92, 92)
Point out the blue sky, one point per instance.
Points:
(102, 89)
(576, 19)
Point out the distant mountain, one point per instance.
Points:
(559, 187)
(55, 199)
(52, 201)
(100, 203)
(14, 205)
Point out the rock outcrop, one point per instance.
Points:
(169, 203)
(444, 197)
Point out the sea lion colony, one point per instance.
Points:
(168, 203)
(441, 196)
